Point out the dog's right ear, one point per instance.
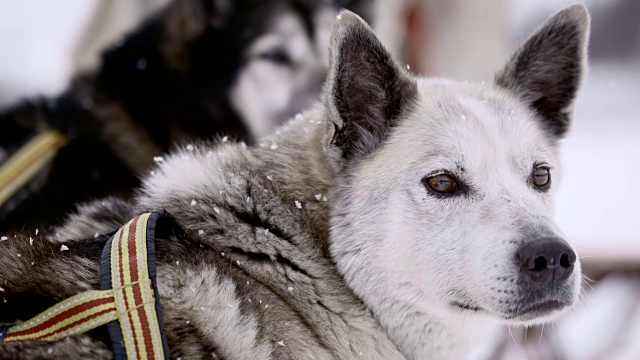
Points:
(365, 90)
(546, 72)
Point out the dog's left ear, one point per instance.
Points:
(547, 70)
(365, 89)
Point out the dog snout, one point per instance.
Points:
(547, 261)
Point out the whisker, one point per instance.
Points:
(541, 333)
(587, 278)
(515, 342)
(583, 302)
(585, 281)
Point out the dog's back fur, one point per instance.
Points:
(323, 241)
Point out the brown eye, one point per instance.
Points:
(541, 176)
(442, 183)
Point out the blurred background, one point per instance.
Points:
(43, 44)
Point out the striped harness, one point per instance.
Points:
(128, 303)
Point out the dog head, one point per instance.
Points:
(263, 60)
(446, 190)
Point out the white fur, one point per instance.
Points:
(267, 92)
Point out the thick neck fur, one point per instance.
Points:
(299, 162)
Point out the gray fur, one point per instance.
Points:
(287, 251)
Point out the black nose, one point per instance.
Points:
(546, 261)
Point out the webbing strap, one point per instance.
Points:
(27, 162)
(127, 304)
(75, 315)
(139, 330)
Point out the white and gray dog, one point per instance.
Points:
(368, 227)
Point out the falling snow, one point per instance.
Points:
(193, 202)
(190, 147)
(201, 232)
(1, 289)
(216, 210)
(299, 117)
(270, 177)
(318, 197)
(96, 235)
(408, 67)
(177, 262)
(30, 241)
(298, 204)
(290, 289)
(225, 139)
(64, 248)
(222, 253)
(37, 231)
(274, 146)
(3, 238)
(158, 159)
(281, 343)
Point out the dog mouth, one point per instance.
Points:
(524, 313)
(537, 309)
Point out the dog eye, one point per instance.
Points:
(443, 183)
(540, 176)
(277, 55)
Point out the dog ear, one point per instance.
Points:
(548, 69)
(365, 89)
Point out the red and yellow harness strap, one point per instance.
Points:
(127, 304)
(28, 161)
